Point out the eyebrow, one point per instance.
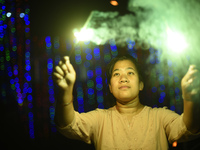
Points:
(126, 69)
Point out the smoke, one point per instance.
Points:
(110, 25)
(159, 23)
(159, 16)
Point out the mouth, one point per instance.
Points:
(124, 87)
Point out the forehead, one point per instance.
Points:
(121, 64)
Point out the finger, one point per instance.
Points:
(66, 58)
(64, 68)
(70, 67)
(59, 70)
(190, 73)
(57, 76)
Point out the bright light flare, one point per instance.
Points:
(114, 3)
(84, 34)
(175, 41)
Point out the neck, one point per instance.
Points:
(132, 107)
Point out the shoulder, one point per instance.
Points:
(161, 112)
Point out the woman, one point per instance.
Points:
(129, 124)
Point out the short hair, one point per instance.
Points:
(111, 65)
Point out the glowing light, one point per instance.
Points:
(175, 41)
(8, 14)
(114, 3)
(84, 34)
(21, 15)
(174, 144)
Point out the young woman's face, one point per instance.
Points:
(124, 82)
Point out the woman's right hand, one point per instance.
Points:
(65, 75)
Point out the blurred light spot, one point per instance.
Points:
(8, 14)
(21, 15)
(174, 144)
(114, 3)
(172, 108)
(154, 89)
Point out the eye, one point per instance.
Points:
(116, 74)
(131, 73)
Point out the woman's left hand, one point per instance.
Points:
(190, 84)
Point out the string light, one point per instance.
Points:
(50, 78)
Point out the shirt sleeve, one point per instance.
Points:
(83, 127)
(175, 128)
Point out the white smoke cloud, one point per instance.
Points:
(158, 22)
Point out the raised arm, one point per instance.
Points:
(191, 94)
(64, 77)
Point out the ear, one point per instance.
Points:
(141, 85)
(110, 88)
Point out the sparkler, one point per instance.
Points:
(174, 24)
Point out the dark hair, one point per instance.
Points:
(110, 66)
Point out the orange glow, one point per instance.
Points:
(114, 3)
(174, 144)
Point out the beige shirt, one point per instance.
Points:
(151, 129)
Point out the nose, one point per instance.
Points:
(124, 79)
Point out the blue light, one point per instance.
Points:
(88, 56)
(52, 99)
(98, 80)
(172, 108)
(90, 73)
(161, 99)
(96, 50)
(169, 62)
(29, 90)
(78, 59)
(162, 87)
(100, 99)
(3, 7)
(48, 45)
(25, 90)
(27, 30)
(88, 50)
(26, 85)
(154, 89)
(48, 39)
(161, 77)
(113, 47)
(12, 19)
(97, 53)
(170, 73)
(151, 50)
(162, 94)
(87, 64)
(12, 81)
(28, 67)
(177, 90)
(10, 74)
(90, 91)
(50, 65)
(27, 22)
(98, 70)
(1, 47)
(20, 101)
(28, 78)
(99, 87)
(21, 15)
(176, 79)
(152, 59)
(17, 85)
(29, 97)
